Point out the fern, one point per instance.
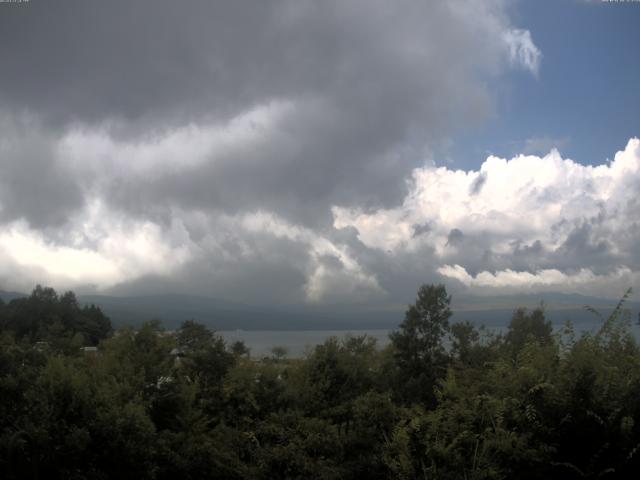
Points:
(611, 319)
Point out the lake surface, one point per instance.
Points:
(260, 342)
(297, 342)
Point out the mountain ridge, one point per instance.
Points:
(174, 308)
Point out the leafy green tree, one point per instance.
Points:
(465, 337)
(528, 326)
(374, 418)
(193, 336)
(154, 404)
(206, 360)
(279, 352)
(419, 354)
(239, 349)
(294, 446)
(59, 320)
(253, 391)
(335, 374)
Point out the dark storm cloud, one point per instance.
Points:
(398, 274)
(324, 159)
(34, 185)
(290, 107)
(258, 281)
(371, 86)
(165, 61)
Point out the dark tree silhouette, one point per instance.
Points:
(418, 349)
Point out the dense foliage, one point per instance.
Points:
(46, 317)
(441, 402)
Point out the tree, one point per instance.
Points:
(45, 316)
(279, 352)
(465, 339)
(526, 327)
(419, 355)
(193, 336)
(239, 349)
(206, 360)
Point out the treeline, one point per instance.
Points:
(530, 403)
(46, 317)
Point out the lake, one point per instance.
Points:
(260, 342)
(297, 342)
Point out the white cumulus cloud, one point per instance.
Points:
(517, 223)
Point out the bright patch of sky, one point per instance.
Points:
(585, 99)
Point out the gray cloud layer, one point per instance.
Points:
(366, 88)
(210, 147)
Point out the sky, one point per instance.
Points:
(337, 152)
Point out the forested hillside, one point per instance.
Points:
(531, 403)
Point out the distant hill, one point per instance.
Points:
(8, 296)
(553, 300)
(559, 307)
(173, 309)
(225, 315)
